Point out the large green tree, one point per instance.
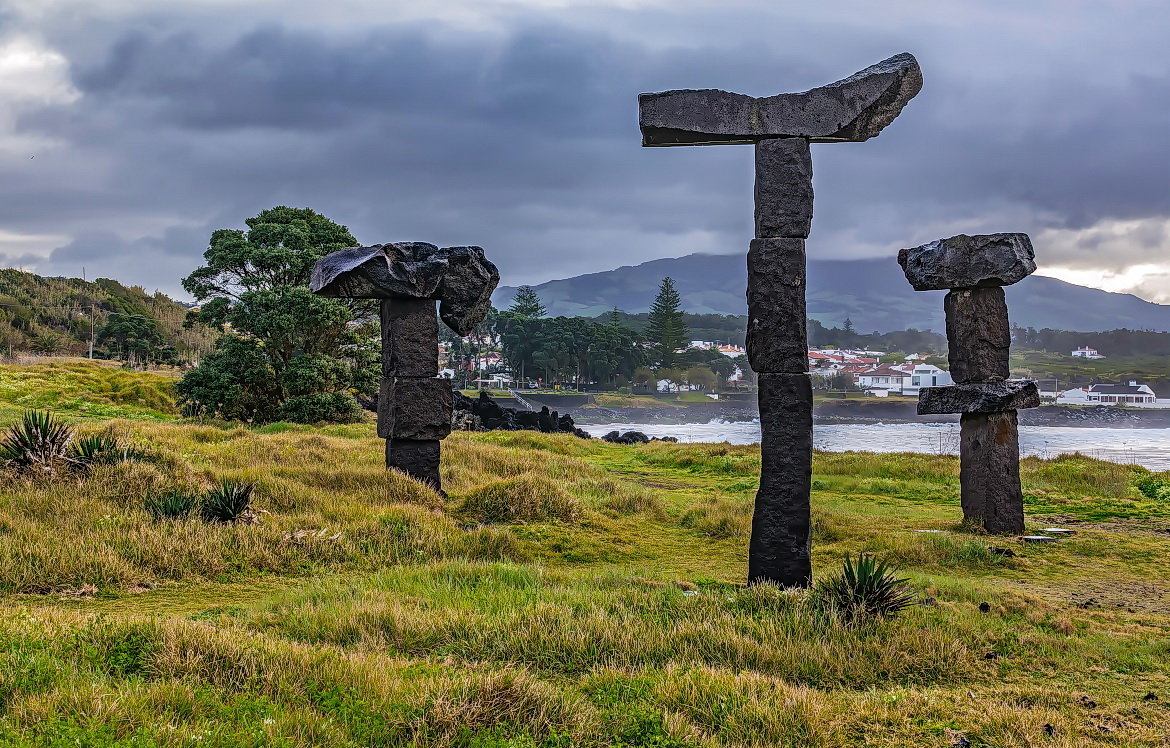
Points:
(285, 353)
(666, 328)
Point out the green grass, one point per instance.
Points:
(84, 389)
(565, 593)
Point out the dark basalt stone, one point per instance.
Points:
(418, 459)
(491, 416)
(410, 334)
(979, 397)
(989, 472)
(979, 337)
(414, 408)
(781, 525)
(410, 269)
(966, 261)
(465, 292)
(460, 278)
(777, 338)
(852, 109)
(784, 190)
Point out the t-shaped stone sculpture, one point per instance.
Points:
(975, 269)
(414, 407)
(781, 127)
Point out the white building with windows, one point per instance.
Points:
(925, 375)
(1109, 394)
(1086, 352)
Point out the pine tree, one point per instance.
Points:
(527, 303)
(666, 328)
(848, 326)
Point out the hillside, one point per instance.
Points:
(566, 593)
(872, 293)
(38, 312)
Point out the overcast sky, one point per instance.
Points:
(130, 129)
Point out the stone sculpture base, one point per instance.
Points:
(418, 458)
(781, 525)
(989, 479)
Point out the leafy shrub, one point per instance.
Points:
(1154, 486)
(39, 439)
(172, 505)
(228, 502)
(321, 407)
(866, 589)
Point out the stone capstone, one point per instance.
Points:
(781, 524)
(989, 471)
(784, 190)
(777, 338)
(852, 109)
(460, 278)
(410, 331)
(979, 336)
(418, 459)
(979, 397)
(969, 262)
(414, 408)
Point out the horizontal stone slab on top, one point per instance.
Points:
(852, 109)
(979, 397)
(964, 261)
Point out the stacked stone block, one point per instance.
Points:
(414, 406)
(974, 269)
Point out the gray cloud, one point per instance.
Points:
(521, 135)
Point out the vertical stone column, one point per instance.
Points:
(414, 408)
(777, 347)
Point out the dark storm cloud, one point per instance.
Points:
(524, 138)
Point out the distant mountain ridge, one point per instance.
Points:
(872, 293)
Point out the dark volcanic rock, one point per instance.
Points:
(979, 336)
(777, 339)
(979, 397)
(853, 109)
(418, 459)
(781, 529)
(989, 472)
(414, 408)
(968, 262)
(784, 189)
(630, 437)
(460, 278)
(465, 293)
(410, 334)
(488, 415)
(411, 269)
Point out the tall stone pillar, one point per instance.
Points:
(781, 127)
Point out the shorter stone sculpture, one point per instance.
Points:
(974, 269)
(414, 406)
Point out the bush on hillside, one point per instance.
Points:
(866, 589)
(321, 407)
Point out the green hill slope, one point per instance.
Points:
(55, 313)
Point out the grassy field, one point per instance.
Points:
(566, 593)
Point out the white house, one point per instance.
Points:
(1109, 394)
(884, 377)
(925, 375)
(1086, 352)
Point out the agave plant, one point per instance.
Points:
(230, 501)
(102, 449)
(866, 588)
(38, 440)
(172, 505)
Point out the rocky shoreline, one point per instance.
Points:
(861, 412)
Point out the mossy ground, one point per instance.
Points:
(567, 592)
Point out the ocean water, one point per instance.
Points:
(1149, 448)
